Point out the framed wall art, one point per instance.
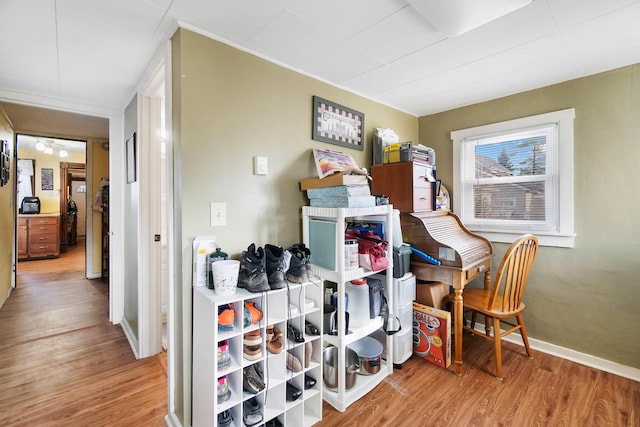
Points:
(5, 163)
(337, 124)
(46, 178)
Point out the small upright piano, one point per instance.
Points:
(463, 256)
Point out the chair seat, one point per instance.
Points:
(478, 299)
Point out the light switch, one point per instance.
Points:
(218, 214)
(260, 165)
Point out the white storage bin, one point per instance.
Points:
(405, 314)
(404, 289)
(402, 345)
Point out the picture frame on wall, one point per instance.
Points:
(46, 178)
(5, 163)
(131, 159)
(336, 124)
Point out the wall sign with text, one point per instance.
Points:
(337, 124)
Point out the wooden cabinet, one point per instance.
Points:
(22, 238)
(38, 237)
(406, 184)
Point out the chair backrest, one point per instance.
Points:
(512, 275)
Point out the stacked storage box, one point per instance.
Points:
(403, 296)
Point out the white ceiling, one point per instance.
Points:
(93, 52)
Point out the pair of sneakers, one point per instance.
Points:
(224, 357)
(251, 412)
(224, 393)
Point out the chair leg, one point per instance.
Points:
(474, 315)
(487, 325)
(523, 333)
(498, 346)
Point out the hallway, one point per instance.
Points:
(62, 362)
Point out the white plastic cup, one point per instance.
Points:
(225, 276)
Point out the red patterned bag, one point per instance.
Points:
(371, 251)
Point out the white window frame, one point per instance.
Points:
(562, 235)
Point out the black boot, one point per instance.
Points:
(252, 275)
(275, 266)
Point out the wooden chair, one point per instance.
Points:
(503, 300)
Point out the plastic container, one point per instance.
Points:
(351, 254)
(225, 276)
(358, 302)
(218, 255)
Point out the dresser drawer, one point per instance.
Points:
(38, 238)
(420, 174)
(41, 249)
(43, 221)
(477, 270)
(422, 199)
(42, 228)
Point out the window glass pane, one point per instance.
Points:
(518, 157)
(514, 201)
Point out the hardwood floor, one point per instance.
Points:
(62, 363)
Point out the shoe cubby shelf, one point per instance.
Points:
(333, 221)
(279, 308)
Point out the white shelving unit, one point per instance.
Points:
(342, 398)
(276, 308)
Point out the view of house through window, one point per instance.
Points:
(508, 177)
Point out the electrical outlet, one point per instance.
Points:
(260, 165)
(218, 214)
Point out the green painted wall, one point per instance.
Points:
(228, 107)
(586, 298)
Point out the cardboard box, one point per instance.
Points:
(434, 294)
(340, 178)
(432, 334)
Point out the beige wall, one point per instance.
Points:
(585, 298)
(228, 107)
(49, 199)
(7, 214)
(100, 170)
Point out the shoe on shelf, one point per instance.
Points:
(309, 382)
(252, 275)
(224, 357)
(274, 345)
(223, 389)
(252, 338)
(252, 412)
(273, 330)
(297, 272)
(293, 310)
(308, 304)
(293, 363)
(252, 352)
(252, 314)
(310, 328)
(308, 351)
(252, 381)
(273, 423)
(293, 392)
(293, 334)
(275, 265)
(226, 317)
(224, 418)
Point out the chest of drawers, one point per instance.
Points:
(406, 184)
(38, 237)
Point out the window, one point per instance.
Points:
(516, 177)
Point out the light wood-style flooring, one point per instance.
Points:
(63, 364)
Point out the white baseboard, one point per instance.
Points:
(131, 337)
(574, 356)
(172, 421)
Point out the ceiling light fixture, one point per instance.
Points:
(48, 149)
(39, 146)
(63, 153)
(455, 17)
